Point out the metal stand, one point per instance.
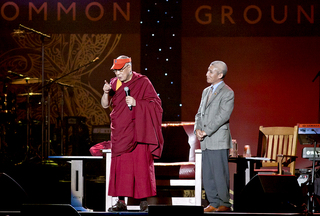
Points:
(45, 148)
(48, 105)
(45, 144)
(28, 119)
(311, 204)
(61, 121)
(308, 135)
(62, 85)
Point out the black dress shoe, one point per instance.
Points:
(144, 206)
(119, 206)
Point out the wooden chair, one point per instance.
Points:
(279, 144)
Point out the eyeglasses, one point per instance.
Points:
(122, 69)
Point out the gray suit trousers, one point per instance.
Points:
(215, 172)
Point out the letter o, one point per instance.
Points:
(12, 4)
(246, 11)
(101, 11)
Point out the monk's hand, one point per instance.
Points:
(130, 101)
(106, 87)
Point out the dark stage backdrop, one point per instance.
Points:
(80, 31)
(272, 52)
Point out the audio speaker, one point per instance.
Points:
(12, 195)
(271, 193)
(174, 210)
(48, 210)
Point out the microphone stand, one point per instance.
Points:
(80, 66)
(42, 37)
(62, 86)
(50, 82)
(311, 205)
(45, 144)
(61, 117)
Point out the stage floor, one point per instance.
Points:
(50, 183)
(180, 213)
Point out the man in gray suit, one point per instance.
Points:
(212, 129)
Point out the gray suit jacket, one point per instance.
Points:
(213, 118)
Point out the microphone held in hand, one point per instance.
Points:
(127, 90)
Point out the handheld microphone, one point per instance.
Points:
(126, 89)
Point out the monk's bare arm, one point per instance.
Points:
(105, 101)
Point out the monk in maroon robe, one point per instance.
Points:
(136, 137)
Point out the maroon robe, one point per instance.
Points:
(136, 138)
